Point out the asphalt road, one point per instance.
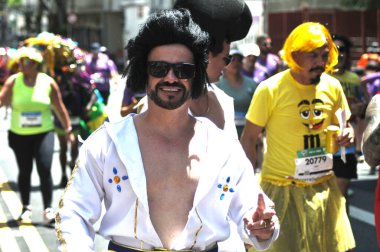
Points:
(40, 237)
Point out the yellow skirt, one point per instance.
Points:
(312, 218)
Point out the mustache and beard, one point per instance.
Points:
(172, 102)
(315, 80)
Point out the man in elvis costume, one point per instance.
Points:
(169, 181)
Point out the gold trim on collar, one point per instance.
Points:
(135, 224)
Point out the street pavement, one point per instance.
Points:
(40, 237)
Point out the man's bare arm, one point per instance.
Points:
(248, 140)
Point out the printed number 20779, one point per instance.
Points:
(315, 160)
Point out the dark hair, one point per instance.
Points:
(224, 20)
(163, 28)
(347, 48)
(261, 38)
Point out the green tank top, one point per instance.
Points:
(31, 106)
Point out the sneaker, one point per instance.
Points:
(26, 215)
(49, 215)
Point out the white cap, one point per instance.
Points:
(249, 49)
(29, 52)
(235, 51)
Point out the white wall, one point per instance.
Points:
(134, 16)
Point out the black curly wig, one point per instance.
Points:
(163, 28)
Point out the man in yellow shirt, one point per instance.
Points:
(295, 107)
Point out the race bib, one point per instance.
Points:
(312, 164)
(30, 119)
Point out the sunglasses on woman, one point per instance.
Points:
(160, 69)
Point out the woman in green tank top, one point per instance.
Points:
(31, 95)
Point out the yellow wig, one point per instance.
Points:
(306, 38)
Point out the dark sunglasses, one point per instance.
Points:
(160, 69)
(227, 60)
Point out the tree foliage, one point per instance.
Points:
(14, 3)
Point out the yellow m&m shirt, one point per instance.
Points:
(295, 117)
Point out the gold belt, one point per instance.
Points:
(156, 249)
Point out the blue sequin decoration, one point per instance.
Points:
(116, 179)
(225, 188)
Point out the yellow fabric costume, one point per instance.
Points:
(295, 116)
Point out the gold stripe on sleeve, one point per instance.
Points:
(58, 230)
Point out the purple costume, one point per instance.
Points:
(265, 68)
(372, 81)
(100, 70)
